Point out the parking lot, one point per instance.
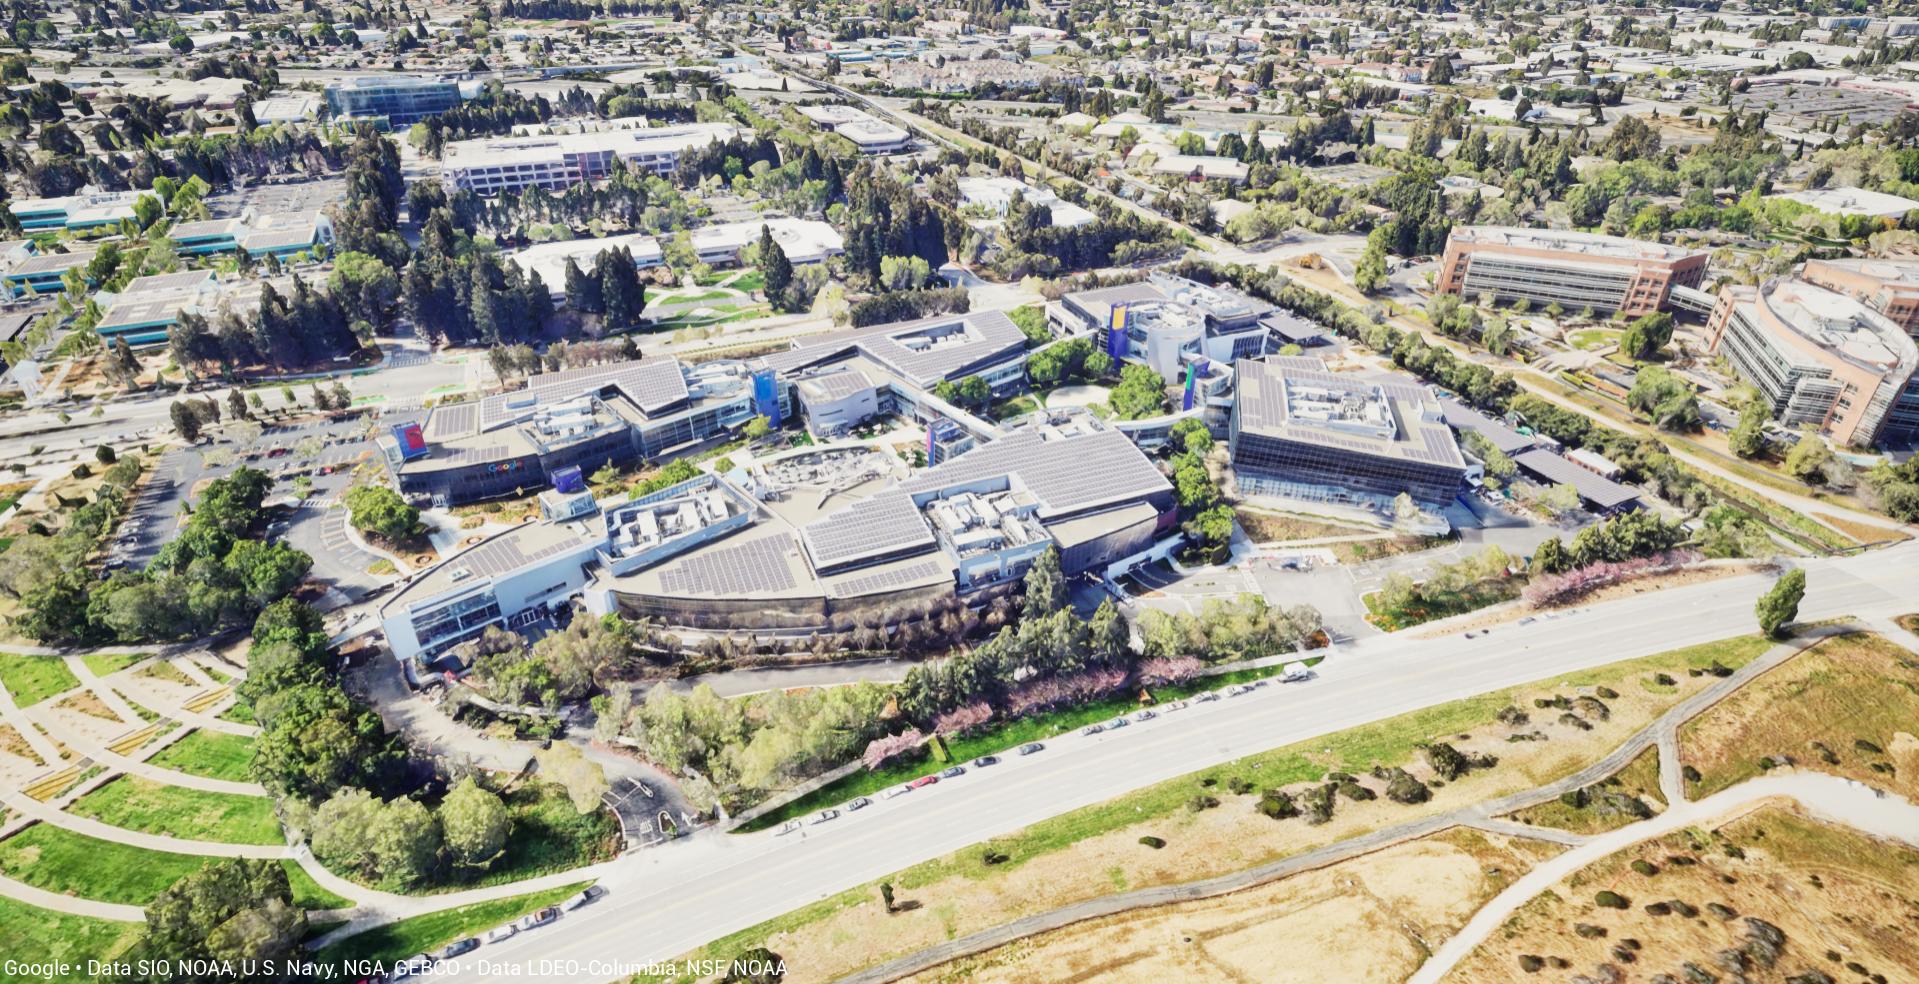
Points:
(273, 199)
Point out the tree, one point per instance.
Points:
(776, 271)
(395, 843)
(379, 510)
(366, 288)
(104, 454)
(758, 427)
(1646, 336)
(231, 910)
(903, 272)
(1370, 273)
(1748, 438)
(1046, 590)
(475, 823)
(1550, 557)
(1780, 604)
(584, 780)
(186, 421)
(1808, 459)
(267, 571)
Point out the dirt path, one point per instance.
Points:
(1842, 801)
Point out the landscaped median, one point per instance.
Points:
(1001, 739)
(1252, 811)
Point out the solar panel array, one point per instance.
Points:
(139, 310)
(994, 337)
(495, 452)
(758, 566)
(167, 282)
(1592, 486)
(883, 524)
(1064, 474)
(1262, 407)
(504, 556)
(893, 578)
(452, 421)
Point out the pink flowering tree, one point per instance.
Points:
(1169, 669)
(879, 750)
(961, 720)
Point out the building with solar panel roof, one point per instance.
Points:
(1302, 432)
(513, 443)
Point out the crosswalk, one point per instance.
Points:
(318, 502)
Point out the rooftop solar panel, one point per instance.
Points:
(886, 523)
(755, 567)
(891, 578)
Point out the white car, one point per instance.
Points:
(500, 934)
(787, 828)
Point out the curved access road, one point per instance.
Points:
(669, 900)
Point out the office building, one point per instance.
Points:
(504, 165)
(147, 307)
(995, 195)
(549, 260)
(1302, 432)
(1890, 287)
(1821, 359)
(1169, 323)
(869, 134)
(1575, 270)
(1853, 201)
(802, 240)
(44, 273)
(75, 213)
(516, 442)
(396, 100)
(282, 235)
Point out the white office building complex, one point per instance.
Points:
(870, 135)
(493, 165)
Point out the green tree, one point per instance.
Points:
(1780, 604)
(1046, 590)
(186, 421)
(1646, 336)
(1550, 557)
(758, 427)
(267, 571)
(1748, 438)
(776, 271)
(379, 510)
(582, 778)
(475, 823)
(231, 910)
(1808, 459)
(365, 286)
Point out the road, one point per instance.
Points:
(669, 900)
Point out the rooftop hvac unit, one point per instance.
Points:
(460, 573)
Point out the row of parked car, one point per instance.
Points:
(1293, 672)
(421, 963)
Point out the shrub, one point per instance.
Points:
(1868, 747)
(992, 857)
(1514, 716)
(1722, 911)
(1319, 804)
(1530, 963)
(1589, 931)
(1240, 787)
(1445, 760)
(1278, 805)
(1198, 803)
(1645, 867)
(1607, 899)
(1152, 842)
(1403, 787)
(1571, 720)
(1664, 680)
(1658, 909)
(1607, 693)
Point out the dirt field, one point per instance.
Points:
(1370, 919)
(1096, 851)
(1262, 526)
(1599, 809)
(1844, 904)
(1848, 706)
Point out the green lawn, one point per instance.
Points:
(422, 934)
(57, 860)
(103, 664)
(993, 741)
(240, 713)
(213, 754)
(44, 936)
(307, 893)
(32, 679)
(140, 804)
(548, 835)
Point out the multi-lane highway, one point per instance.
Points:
(668, 900)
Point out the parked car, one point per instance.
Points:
(1092, 729)
(499, 934)
(458, 947)
(826, 815)
(1031, 747)
(923, 781)
(1145, 716)
(1295, 672)
(534, 920)
(1236, 689)
(578, 899)
(1206, 696)
(1178, 705)
(858, 803)
(953, 772)
(1118, 722)
(897, 791)
(984, 761)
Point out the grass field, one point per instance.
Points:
(44, 936)
(240, 713)
(176, 811)
(1837, 707)
(103, 664)
(307, 893)
(57, 860)
(1430, 606)
(213, 754)
(32, 679)
(423, 934)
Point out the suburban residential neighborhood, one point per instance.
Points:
(628, 491)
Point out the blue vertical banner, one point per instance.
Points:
(1116, 333)
(1192, 381)
(766, 396)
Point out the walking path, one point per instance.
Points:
(1841, 801)
(108, 696)
(1481, 816)
(113, 760)
(16, 718)
(21, 803)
